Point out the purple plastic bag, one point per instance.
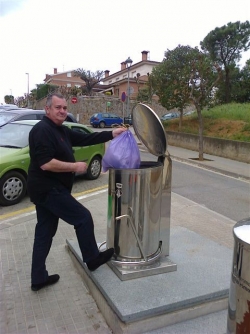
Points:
(122, 152)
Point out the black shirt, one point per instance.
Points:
(49, 141)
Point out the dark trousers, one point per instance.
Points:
(60, 204)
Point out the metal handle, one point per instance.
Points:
(134, 230)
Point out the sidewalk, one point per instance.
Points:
(68, 307)
(222, 165)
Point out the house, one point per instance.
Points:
(134, 76)
(63, 79)
(112, 84)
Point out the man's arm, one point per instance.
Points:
(58, 166)
(80, 139)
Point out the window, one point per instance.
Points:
(29, 116)
(68, 84)
(40, 116)
(77, 129)
(5, 118)
(69, 75)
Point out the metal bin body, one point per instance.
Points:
(134, 211)
(239, 295)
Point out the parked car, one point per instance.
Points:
(168, 116)
(189, 113)
(128, 120)
(102, 120)
(8, 107)
(15, 159)
(7, 116)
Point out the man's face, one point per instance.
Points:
(58, 110)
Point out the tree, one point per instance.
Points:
(225, 45)
(196, 76)
(68, 92)
(204, 75)
(143, 95)
(90, 78)
(241, 85)
(9, 99)
(43, 90)
(21, 101)
(245, 82)
(173, 86)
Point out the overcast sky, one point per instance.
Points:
(39, 35)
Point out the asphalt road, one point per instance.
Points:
(223, 194)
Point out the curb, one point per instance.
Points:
(211, 168)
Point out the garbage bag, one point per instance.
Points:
(122, 152)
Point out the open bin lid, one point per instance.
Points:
(149, 129)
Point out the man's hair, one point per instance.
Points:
(50, 96)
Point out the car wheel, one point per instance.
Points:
(102, 125)
(12, 188)
(94, 168)
(94, 126)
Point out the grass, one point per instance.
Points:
(232, 111)
(228, 121)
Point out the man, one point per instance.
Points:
(50, 180)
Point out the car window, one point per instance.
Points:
(15, 135)
(29, 116)
(113, 115)
(105, 115)
(77, 129)
(5, 118)
(69, 119)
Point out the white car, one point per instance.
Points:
(170, 115)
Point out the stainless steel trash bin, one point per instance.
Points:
(239, 295)
(134, 212)
(139, 203)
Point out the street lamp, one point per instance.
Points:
(128, 63)
(28, 77)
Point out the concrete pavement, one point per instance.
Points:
(68, 307)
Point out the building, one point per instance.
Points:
(63, 79)
(137, 73)
(112, 84)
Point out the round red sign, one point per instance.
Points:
(74, 99)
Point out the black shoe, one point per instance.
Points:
(51, 280)
(102, 258)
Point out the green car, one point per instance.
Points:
(15, 159)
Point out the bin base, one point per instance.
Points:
(153, 302)
(160, 266)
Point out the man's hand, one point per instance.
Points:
(80, 167)
(117, 131)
